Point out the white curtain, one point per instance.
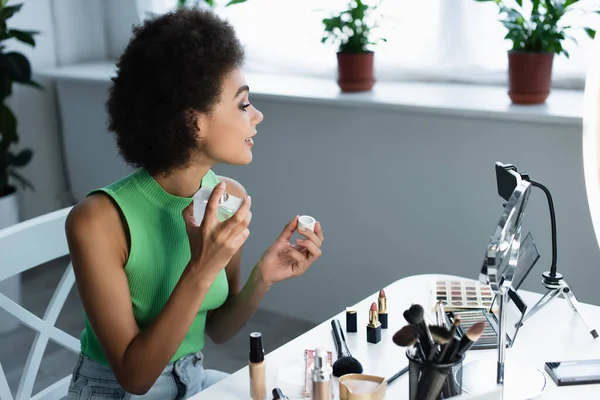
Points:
(444, 40)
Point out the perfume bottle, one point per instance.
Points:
(228, 204)
(321, 377)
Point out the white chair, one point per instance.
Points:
(22, 247)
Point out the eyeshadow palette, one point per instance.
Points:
(463, 294)
(515, 311)
(468, 318)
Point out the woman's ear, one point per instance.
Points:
(200, 122)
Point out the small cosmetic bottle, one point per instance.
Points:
(228, 204)
(258, 378)
(374, 326)
(382, 311)
(321, 377)
(306, 221)
(351, 320)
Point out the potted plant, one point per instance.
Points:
(14, 67)
(351, 31)
(535, 41)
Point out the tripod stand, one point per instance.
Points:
(556, 287)
(552, 280)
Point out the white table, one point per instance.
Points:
(555, 333)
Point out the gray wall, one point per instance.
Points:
(401, 194)
(397, 193)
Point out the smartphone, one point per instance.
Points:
(578, 372)
(507, 179)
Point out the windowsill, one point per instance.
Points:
(461, 100)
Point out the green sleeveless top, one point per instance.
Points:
(158, 255)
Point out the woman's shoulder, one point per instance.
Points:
(93, 214)
(94, 229)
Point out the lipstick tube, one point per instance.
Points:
(374, 326)
(351, 320)
(383, 315)
(258, 378)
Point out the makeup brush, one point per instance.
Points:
(450, 345)
(439, 313)
(345, 363)
(440, 334)
(473, 334)
(415, 315)
(397, 375)
(409, 336)
(278, 395)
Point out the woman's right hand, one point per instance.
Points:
(214, 243)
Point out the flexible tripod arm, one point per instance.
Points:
(553, 277)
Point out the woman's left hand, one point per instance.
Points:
(285, 260)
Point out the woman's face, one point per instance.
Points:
(228, 133)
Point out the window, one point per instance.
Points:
(427, 40)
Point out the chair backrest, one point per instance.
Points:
(24, 246)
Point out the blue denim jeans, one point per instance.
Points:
(179, 380)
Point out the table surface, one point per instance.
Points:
(553, 334)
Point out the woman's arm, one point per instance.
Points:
(223, 323)
(98, 246)
(280, 261)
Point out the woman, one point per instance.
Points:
(153, 281)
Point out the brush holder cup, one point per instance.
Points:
(428, 381)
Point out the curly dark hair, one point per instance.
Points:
(172, 68)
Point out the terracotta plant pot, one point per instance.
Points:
(355, 71)
(529, 76)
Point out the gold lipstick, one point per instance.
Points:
(383, 316)
(374, 326)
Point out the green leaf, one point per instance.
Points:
(23, 158)
(7, 12)
(16, 66)
(511, 25)
(569, 3)
(3, 3)
(591, 33)
(25, 183)
(5, 87)
(232, 2)
(23, 36)
(571, 38)
(8, 128)
(520, 3)
(5, 159)
(33, 84)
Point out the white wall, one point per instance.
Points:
(36, 115)
(71, 31)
